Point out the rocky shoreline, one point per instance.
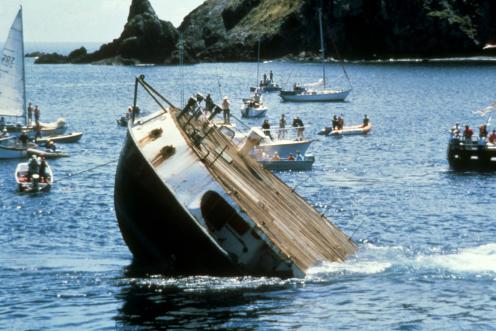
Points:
(227, 31)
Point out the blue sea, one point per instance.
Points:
(426, 234)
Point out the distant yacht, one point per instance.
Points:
(307, 92)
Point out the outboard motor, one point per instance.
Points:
(35, 180)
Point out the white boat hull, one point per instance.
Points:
(284, 147)
(11, 150)
(315, 96)
(251, 112)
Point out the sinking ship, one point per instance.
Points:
(190, 201)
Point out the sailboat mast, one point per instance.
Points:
(23, 72)
(322, 55)
(258, 63)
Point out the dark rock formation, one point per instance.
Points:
(145, 39)
(229, 30)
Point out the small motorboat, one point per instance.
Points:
(253, 107)
(32, 183)
(72, 137)
(253, 110)
(347, 130)
(289, 165)
(47, 153)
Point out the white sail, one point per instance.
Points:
(12, 94)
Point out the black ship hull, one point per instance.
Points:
(155, 226)
(475, 157)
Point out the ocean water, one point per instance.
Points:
(426, 235)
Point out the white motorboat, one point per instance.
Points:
(188, 200)
(306, 93)
(32, 183)
(347, 130)
(285, 164)
(253, 107)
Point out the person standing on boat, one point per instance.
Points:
(483, 131)
(271, 76)
(209, 104)
(265, 79)
(30, 113)
(334, 122)
(282, 127)
(226, 111)
(467, 133)
(266, 128)
(298, 124)
(2, 123)
(36, 112)
(37, 131)
(492, 137)
(455, 131)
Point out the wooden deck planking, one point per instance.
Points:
(291, 224)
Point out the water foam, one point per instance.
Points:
(471, 260)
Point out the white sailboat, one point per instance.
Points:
(306, 93)
(12, 85)
(13, 92)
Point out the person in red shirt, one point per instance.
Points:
(492, 137)
(467, 133)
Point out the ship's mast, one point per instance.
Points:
(322, 55)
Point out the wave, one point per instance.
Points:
(373, 259)
(480, 259)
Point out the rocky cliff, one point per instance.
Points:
(229, 30)
(145, 39)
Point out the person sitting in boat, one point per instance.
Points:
(42, 172)
(226, 111)
(50, 146)
(483, 131)
(492, 137)
(266, 128)
(276, 157)
(282, 127)
(299, 157)
(365, 120)
(467, 133)
(340, 123)
(33, 166)
(334, 122)
(291, 157)
(300, 127)
(23, 138)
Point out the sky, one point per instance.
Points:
(82, 20)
